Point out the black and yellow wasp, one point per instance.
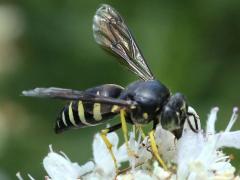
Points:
(143, 101)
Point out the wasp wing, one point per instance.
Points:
(69, 94)
(111, 32)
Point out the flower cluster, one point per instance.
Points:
(193, 156)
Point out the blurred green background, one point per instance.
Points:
(191, 46)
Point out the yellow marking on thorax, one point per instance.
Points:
(115, 108)
(70, 113)
(81, 114)
(64, 119)
(97, 111)
(145, 115)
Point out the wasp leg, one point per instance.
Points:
(103, 135)
(140, 130)
(124, 127)
(155, 149)
(125, 132)
(195, 121)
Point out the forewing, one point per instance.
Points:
(111, 32)
(69, 94)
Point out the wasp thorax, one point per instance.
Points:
(150, 97)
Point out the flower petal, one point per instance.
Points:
(188, 149)
(102, 157)
(59, 167)
(166, 142)
(229, 139)
(211, 121)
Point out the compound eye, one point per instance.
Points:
(169, 119)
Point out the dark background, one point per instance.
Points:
(191, 46)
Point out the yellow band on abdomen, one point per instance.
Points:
(81, 114)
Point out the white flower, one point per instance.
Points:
(194, 156)
(199, 154)
(59, 166)
(104, 165)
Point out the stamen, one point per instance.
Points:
(223, 158)
(50, 148)
(30, 177)
(19, 176)
(64, 155)
(232, 120)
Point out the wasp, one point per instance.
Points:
(141, 102)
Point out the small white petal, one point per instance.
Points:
(133, 147)
(198, 176)
(229, 139)
(101, 154)
(188, 149)
(197, 170)
(143, 153)
(166, 142)
(122, 154)
(159, 172)
(136, 175)
(125, 177)
(207, 155)
(84, 169)
(58, 167)
(222, 167)
(211, 121)
(142, 175)
(223, 170)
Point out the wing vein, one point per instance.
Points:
(111, 32)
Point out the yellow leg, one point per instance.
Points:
(142, 132)
(155, 150)
(124, 128)
(134, 129)
(125, 132)
(109, 146)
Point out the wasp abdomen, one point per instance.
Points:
(79, 114)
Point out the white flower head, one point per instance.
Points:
(59, 166)
(199, 154)
(194, 156)
(102, 158)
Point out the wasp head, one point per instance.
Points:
(174, 114)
